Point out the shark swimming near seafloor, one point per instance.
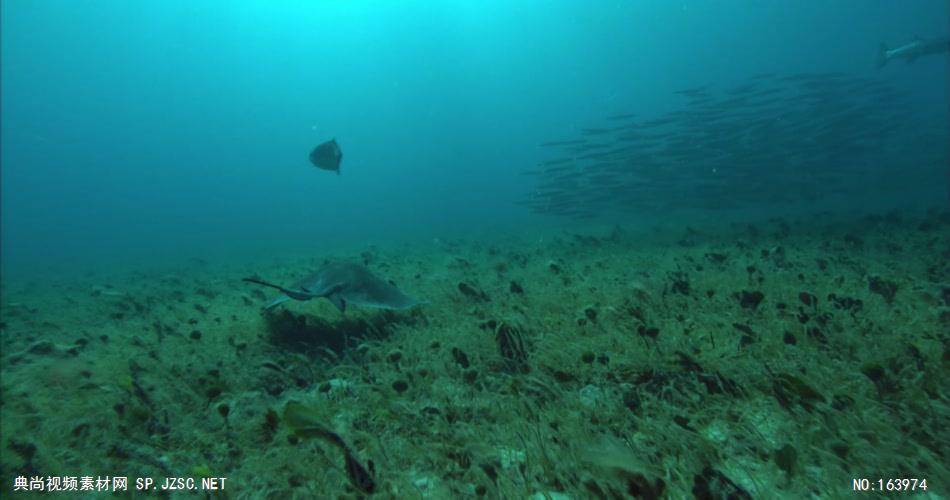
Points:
(342, 283)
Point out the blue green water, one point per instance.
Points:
(654, 248)
(173, 128)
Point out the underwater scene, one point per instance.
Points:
(545, 250)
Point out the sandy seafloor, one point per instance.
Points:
(783, 359)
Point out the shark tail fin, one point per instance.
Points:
(882, 55)
(288, 294)
(279, 300)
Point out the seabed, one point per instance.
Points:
(781, 359)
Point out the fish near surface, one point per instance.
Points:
(343, 283)
(912, 50)
(327, 156)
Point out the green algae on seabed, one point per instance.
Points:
(763, 359)
(306, 422)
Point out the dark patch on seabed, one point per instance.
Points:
(783, 360)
